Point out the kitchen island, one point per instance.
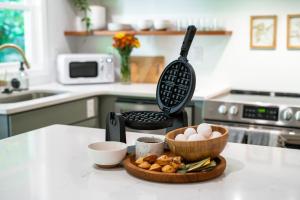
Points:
(52, 163)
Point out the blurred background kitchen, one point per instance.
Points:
(69, 46)
(226, 58)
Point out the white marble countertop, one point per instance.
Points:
(204, 90)
(52, 163)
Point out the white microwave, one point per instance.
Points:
(85, 68)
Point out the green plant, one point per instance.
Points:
(84, 6)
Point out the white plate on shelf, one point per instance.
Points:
(114, 26)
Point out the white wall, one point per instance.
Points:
(226, 58)
(60, 17)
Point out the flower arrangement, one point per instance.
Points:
(124, 43)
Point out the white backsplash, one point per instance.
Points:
(221, 58)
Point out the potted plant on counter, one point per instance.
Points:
(124, 44)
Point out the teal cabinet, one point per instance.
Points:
(82, 112)
(4, 126)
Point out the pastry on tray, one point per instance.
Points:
(173, 164)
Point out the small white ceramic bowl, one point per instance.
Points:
(144, 24)
(107, 154)
(161, 24)
(114, 26)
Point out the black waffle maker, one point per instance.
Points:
(175, 89)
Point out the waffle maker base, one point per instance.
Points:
(147, 120)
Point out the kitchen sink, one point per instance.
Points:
(26, 96)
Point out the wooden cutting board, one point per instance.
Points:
(146, 69)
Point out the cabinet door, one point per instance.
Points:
(67, 113)
(4, 131)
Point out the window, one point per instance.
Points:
(11, 31)
(21, 24)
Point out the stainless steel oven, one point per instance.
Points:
(261, 118)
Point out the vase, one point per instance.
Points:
(125, 68)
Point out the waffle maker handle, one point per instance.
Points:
(115, 127)
(189, 36)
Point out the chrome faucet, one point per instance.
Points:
(15, 82)
(19, 50)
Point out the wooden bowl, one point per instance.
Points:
(197, 150)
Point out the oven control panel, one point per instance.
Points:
(261, 112)
(280, 110)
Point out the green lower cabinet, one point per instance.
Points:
(81, 112)
(4, 133)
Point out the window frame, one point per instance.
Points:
(35, 20)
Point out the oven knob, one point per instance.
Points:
(297, 115)
(233, 110)
(287, 114)
(222, 109)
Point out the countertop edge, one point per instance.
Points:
(72, 95)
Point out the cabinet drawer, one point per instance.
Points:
(67, 113)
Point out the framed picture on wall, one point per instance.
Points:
(293, 31)
(263, 32)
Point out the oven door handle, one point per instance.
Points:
(251, 129)
(252, 135)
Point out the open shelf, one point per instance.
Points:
(150, 33)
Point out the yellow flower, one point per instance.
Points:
(123, 40)
(119, 35)
(136, 44)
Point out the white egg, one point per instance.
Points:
(205, 130)
(180, 137)
(196, 137)
(189, 131)
(215, 134)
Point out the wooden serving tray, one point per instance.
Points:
(132, 169)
